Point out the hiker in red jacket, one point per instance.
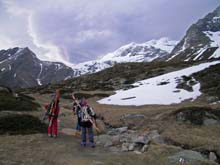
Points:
(53, 116)
(53, 128)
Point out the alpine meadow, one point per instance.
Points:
(110, 83)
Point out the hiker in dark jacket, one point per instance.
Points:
(86, 115)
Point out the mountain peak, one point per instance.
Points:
(163, 43)
(133, 49)
(20, 68)
(202, 40)
(218, 9)
(132, 52)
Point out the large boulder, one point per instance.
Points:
(133, 121)
(187, 156)
(213, 157)
(117, 131)
(198, 115)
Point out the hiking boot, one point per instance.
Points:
(83, 144)
(92, 145)
(49, 135)
(77, 133)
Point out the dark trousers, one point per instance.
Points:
(90, 133)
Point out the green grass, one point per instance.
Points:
(21, 124)
(210, 80)
(118, 77)
(8, 102)
(84, 95)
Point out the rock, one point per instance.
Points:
(114, 149)
(131, 147)
(103, 139)
(131, 131)
(210, 122)
(133, 120)
(125, 138)
(212, 156)
(116, 139)
(137, 152)
(112, 132)
(144, 148)
(143, 139)
(155, 137)
(108, 144)
(187, 155)
(153, 134)
(212, 99)
(117, 131)
(124, 147)
(198, 115)
(122, 130)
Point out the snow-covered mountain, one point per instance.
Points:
(133, 52)
(20, 68)
(202, 40)
(162, 89)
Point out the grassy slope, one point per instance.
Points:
(117, 77)
(13, 123)
(9, 102)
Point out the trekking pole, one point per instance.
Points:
(92, 122)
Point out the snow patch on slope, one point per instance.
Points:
(3, 69)
(164, 44)
(200, 52)
(215, 42)
(159, 90)
(38, 77)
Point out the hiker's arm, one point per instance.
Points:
(92, 113)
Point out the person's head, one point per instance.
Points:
(83, 102)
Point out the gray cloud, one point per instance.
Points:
(80, 30)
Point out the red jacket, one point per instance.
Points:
(56, 111)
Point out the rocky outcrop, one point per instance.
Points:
(198, 116)
(201, 40)
(125, 140)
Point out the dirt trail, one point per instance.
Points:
(66, 149)
(40, 149)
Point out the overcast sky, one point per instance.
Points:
(82, 30)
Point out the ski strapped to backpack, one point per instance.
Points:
(49, 108)
(91, 121)
(54, 107)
